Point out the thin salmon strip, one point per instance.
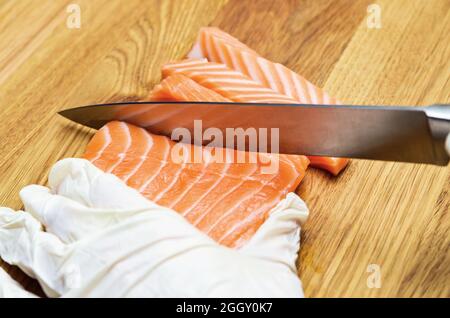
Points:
(181, 88)
(202, 43)
(174, 88)
(228, 201)
(218, 46)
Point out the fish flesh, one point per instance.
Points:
(229, 83)
(226, 200)
(213, 188)
(173, 88)
(238, 87)
(220, 47)
(181, 88)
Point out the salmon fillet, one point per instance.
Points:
(227, 201)
(220, 47)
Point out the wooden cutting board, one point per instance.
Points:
(385, 221)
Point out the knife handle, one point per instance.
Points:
(439, 121)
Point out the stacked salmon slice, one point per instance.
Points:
(218, 46)
(228, 200)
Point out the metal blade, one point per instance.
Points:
(365, 132)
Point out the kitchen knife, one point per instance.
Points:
(406, 134)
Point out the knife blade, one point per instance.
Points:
(406, 134)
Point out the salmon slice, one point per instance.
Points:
(173, 88)
(181, 88)
(220, 47)
(198, 48)
(228, 201)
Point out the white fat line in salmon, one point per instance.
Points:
(164, 162)
(121, 156)
(106, 136)
(249, 143)
(148, 147)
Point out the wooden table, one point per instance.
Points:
(393, 215)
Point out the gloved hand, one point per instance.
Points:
(104, 239)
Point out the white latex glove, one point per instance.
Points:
(104, 239)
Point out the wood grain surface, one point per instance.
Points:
(393, 215)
